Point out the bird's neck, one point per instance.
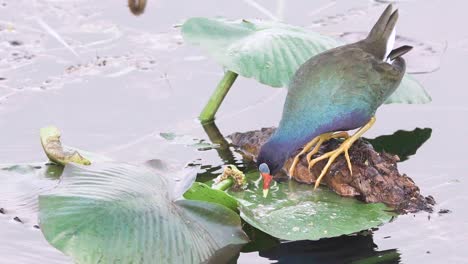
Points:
(279, 148)
(291, 142)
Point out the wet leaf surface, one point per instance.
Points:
(89, 214)
(202, 192)
(294, 211)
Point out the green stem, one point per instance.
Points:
(223, 185)
(209, 112)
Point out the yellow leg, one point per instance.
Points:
(344, 147)
(344, 135)
(317, 141)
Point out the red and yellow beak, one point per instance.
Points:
(266, 183)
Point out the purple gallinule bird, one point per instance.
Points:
(337, 90)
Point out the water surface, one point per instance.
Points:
(134, 78)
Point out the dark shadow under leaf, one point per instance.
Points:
(402, 143)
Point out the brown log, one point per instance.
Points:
(375, 176)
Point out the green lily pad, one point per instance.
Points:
(271, 52)
(122, 213)
(268, 51)
(202, 192)
(294, 211)
(410, 91)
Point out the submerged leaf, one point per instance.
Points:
(50, 140)
(22, 183)
(121, 213)
(295, 211)
(271, 52)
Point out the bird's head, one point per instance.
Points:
(265, 172)
(270, 160)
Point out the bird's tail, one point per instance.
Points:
(382, 35)
(398, 52)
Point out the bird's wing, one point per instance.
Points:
(371, 78)
(337, 90)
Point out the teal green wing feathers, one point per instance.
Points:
(337, 90)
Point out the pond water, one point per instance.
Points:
(123, 80)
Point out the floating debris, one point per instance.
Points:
(231, 171)
(50, 139)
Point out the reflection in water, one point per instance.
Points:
(217, 138)
(228, 255)
(137, 7)
(402, 143)
(344, 249)
(224, 148)
(259, 241)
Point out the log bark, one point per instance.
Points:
(375, 176)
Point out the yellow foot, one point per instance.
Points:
(316, 143)
(343, 148)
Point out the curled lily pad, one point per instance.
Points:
(295, 211)
(122, 213)
(50, 140)
(271, 52)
